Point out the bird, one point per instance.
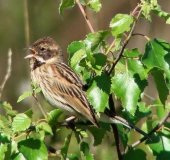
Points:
(62, 87)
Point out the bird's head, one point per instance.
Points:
(44, 51)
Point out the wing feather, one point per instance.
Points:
(69, 86)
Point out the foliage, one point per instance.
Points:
(124, 74)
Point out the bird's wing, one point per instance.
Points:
(69, 86)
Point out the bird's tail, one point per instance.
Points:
(104, 117)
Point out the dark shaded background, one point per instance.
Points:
(44, 20)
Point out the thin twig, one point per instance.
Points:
(135, 10)
(39, 105)
(26, 17)
(150, 133)
(125, 43)
(85, 16)
(135, 34)
(8, 73)
(111, 46)
(149, 97)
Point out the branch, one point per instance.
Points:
(150, 133)
(125, 42)
(140, 34)
(115, 130)
(8, 73)
(85, 16)
(40, 107)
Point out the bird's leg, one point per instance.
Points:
(70, 122)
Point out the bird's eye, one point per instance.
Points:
(42, 49)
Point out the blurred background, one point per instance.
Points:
(44, 20)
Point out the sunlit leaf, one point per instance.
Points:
(93, 40)
(8, 109)
(121, 23)
(24, 95)
(3, 149)
(45, 127)
(160, 145)
(95, 5)
(157, 54)
(98, 92)
(135, 65)
(65, 4)
(128, 88)
(146, 9)
(20, 122)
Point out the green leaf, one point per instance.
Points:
(135, 65)
(3, 122)
(146, 9)
(156, 9)
(82, 2)
(64, 148)
(98, 135)
(33, 149)
(143, 110)
(123, 136)
(98, 92)
(74, 47)
(45, 127)
(5, 138)
(100, 62)
(18, 156)
(160, 110)
(65, 4)
(84, 148)
(76, 53)
(132, 54)
(75, 60)
(121, 23)
(3, 149)
(37, 90)
(14, 147)
(72, 157)
(24, 95)
(29, 113)
(8, 109)
(95, 5)
(157, 54)
(52, 118)
(138, 154)
(21, 122)
(94, 40)
(128, 88)
(34, 85)
(160, 145)
(161, 85)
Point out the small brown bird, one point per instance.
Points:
(61, 86)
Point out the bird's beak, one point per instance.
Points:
(30, 55)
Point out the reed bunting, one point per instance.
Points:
(61, 86)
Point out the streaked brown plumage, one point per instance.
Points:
(61, 86)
